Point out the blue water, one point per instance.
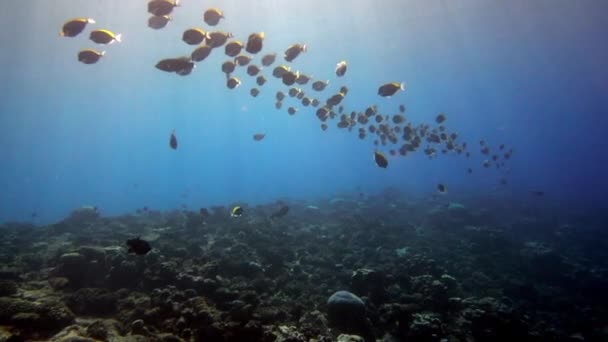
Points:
(529, 74)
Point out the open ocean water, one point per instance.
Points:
(281, 170)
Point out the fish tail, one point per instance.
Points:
(304, 48)
(402, 86)
(177, 3)
(118, 37)
(90, 20)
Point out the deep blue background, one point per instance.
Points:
(530, 74)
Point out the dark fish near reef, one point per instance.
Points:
(442, 188)
(162, 7)
(389, 89)
(380, 160)
(280, 213)
(74, 27)
(138, 246)
(259, 136)
(255, 42)
(173, 140)
(158, 22)
(90, 56)
(194, 36)
(233, 48)
(218, 38)
(236, 211)
(200, 53)
(181, 65)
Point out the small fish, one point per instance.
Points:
(344, 90)
(255, 42)
(233, 48)
(212, 16)
(90, 56)
(173, 140)
(380, 160)
(294, 51)
(324, 126)
(341, 68)
(278, 105)
(320, 85)
(398, 119)
(260, 80)
(242, 60)
(306, 101)
(335, 99)
(253, 70)
(176, 65)
(280, 213)
(315, 102)
(280, 70)
(389, 89)
(158, 22)
(217, 38)
(442, 188)
(138, 246)
(292, 110)
(162, 7)
(280, 95)
(233, 82)
(201, 52)
(254, 92)
(228, 67)
(194, 36)
(440, 118)
(236, 211)
(74, 27)
(293, 91)
(104, 36)
(268, 59)
(259, 136)
(402, 108)
(289, 78)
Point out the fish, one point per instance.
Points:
(255, 42)
(320, 85)
(217, 38)
(389, 89)
(289, 78)
(242, 60)
(74, 27)
(162, 7)
(176, 65)
(469, 170)
(280, 95)
(442, 188)
(173, 140)
(236, 211)
(398, 119)
(254, 92)
(201, 52)
(344, 90)
(293, 91)
(158, 22)
(90, 56)
(323, 126)
(302, 79)
(294, 51)
(380, 159)
(292, 110)
(194, 36)
(260, 80)
(402, 108)
(341, 68)
(440, 118)
(138, 246)
(259, 136)
(315, 102)
(278, 105)
(233, 82)
(233, 48)
(280, 70)
(103, 36)
(268, 59)
(228, 67)
(335, 99)
(280, 213)
(253, 70)
(212, 16)
(306, 101)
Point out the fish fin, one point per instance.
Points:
(61, 34)
(90, 20)
(118, 37)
